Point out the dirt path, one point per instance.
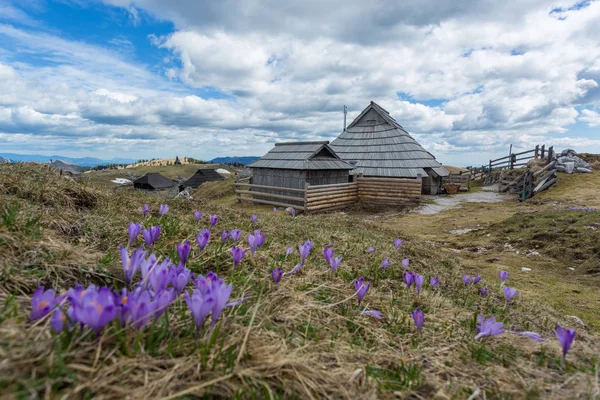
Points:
(441, 203)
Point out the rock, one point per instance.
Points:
(525, 269)
(185, 194)
(583, 170)
(569, 167)
(571, 269)
(568, 152)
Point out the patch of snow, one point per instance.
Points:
(223, 171)
(122, 181)
(525, 269)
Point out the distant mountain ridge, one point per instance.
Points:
(230, 160)
(84, 161)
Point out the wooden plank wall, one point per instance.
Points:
(261, 194)
(389, 191)
(463, 179)
(330, 197)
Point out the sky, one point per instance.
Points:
(205, 78)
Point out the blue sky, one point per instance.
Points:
(156, 78)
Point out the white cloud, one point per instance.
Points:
(496, 73)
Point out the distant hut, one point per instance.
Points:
(294, 164)
(380, 147)
(201, 176)
(177, 162)
(153, 181)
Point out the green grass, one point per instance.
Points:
(302, 338)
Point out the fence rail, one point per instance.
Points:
(512, 160)
(463, 178)
(319, 198)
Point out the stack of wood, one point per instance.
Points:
(529, 183)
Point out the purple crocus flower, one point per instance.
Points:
(293, 212)
(296, 269)
(147, 265)
(253, 218)
(200, 306)
(58, 320)
(304, 249)
(224, 236)
(134, 231)
(289, 251)
(256, 240)
(42, 302)
(488, 327)
(237, 253)
(335, 263)
(405, 262)
(276, 274)
(181, 278)
(361, 289)
(372, 313)
(531, 335)
(419, 279)
(197, 215)
(151, 235)
(398, 243)
(434, 282)
(161, 275)
(476, 279)
(328, 254)
(235, 235)
(385, 263)
(371, 250)
(97, 309)
(163, 300)
(409, 278)
(220, 292)
(467, 279)
(565, 337)
(503, 277)
(183, 250)
(214, 219)
(145, 209)
(483, 291)
(509, 293)
(131, 265)
(274, 210)
(141, 308)
(202, 238)
(419, 317)
(163, 209)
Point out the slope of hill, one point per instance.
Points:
(237, 160)
(306, 336)
(61, 164)
(83, 161)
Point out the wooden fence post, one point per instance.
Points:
(550, 153)
(537, 151)
(490, 170)
(543, 150)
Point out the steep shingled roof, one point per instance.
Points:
(201, 176)
(381, 147)
(301, 155)
(155, 180)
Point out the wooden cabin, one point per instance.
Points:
(296, 164)
(379, 147)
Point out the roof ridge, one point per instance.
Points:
(301, 143)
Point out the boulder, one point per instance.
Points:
(185, 194)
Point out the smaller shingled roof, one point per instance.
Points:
(301, 155)
(201, 176)
(155, 180)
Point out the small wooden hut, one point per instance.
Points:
(296, 164)
(380, 147)
(153, 181)
(201, 176)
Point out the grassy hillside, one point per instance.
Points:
(305, 337)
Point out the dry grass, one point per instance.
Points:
(303, 338)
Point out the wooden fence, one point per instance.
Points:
(330, 197)
(528, 184)
(389, 191)
(463, 178)
(512, 160)
(317, 198)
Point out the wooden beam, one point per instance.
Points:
(401, 180)
(273, 203)
(283, 189)
(333, 185)
(332, 200)
(547, 167)
(329, 195)
(275, 196)
(398, 199)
